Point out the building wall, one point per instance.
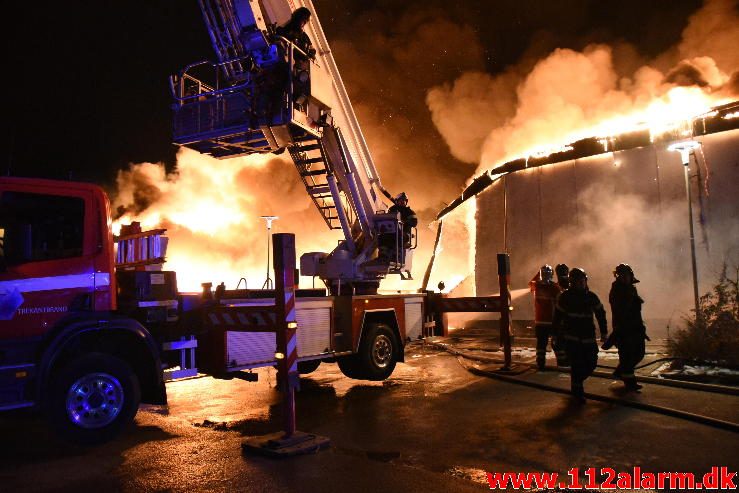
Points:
(626, 207)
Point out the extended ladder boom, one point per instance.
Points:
(265, 94)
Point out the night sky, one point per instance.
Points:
(88, 81)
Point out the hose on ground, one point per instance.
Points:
(669, 358)
(718, 389)
(667, 411)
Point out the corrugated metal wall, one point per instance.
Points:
(626, 207)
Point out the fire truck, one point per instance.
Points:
(87, 335)
(91, 324)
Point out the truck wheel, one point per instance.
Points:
(93, 398)
(305, 367)
(377, 350)
(349, 366)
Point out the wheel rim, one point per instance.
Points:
(95, 400)
(382, 351)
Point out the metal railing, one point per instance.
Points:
(187, 88)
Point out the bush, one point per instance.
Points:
(712, 334)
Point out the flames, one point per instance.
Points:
(212, 208)
(668, 109)
(675, 110)
(673, 113)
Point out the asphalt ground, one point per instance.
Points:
(433, 426)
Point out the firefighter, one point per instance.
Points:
(293, 30)
(278, 78)
(388, 243)
(563, 273)
(574, 310)
(629, 331)
(545, 296)
(407, 217)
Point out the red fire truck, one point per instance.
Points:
(67, 344)
(88, 330)
(87, 341)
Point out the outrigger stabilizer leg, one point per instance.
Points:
(290, 441)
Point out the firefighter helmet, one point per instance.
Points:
(577, 274)
(546, 273)
(562, 270)
(401, 196)
(623, 269)
(301, 14)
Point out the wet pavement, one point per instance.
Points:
(433, 426)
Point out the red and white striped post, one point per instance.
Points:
(290, 442)
(283, 245)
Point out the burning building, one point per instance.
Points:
(598, 202)
(618, 197)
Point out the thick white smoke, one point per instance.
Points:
(624, 227)
(488, 119)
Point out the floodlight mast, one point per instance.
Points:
(268, 282)
(685, 149)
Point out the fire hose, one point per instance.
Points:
(667, 411)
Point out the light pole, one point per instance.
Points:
(268, 282)
(686, 149)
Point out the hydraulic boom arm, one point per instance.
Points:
(268, 93)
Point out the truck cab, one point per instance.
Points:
(63, 347)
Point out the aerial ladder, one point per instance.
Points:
(265, 94)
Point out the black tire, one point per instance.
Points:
(349, 366)
(306, 367)
(377, 352)
(77, 408)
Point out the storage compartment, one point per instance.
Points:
(413, 318)
(136, 285)
(251, 349)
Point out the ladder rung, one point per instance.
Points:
(318, 190)
(313, 160)
(314, 172)
(311, 147)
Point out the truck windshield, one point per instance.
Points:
(36, 227)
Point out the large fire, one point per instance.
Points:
(212, 208)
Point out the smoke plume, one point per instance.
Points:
(624, 227)
(570, 94)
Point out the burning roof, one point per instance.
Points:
(718, 119)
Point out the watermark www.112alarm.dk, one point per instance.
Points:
(606, 478)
